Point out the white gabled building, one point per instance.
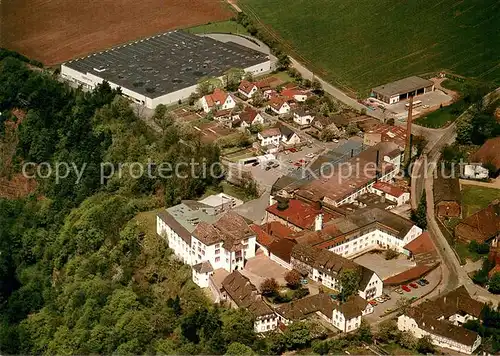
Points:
(442, 320)
(247, 89)
(239, 292)
(218, 100)
(302, 117)
(345, 317)
(270, 136)
(326, 267)
(279, 106)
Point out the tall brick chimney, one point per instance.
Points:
(408, 132)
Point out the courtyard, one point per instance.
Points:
(384, 268)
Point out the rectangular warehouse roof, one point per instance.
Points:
(402, 86)
(168, 62)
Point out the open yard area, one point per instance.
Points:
(361, 44)
(54, 31)
(219, 27)
(475, 198)
(384, 268)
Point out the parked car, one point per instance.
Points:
(290, 161)
(420, 283)
(268, 168)
(293, 150)
(398, 290)
(414, 285)
(387, 296)
(380, 300)
(405, 288)
(372, 302)
(335, 140)
(425, 281)
(255, 164)
(276, 165)
(310, 155)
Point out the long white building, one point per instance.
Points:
(442, 320)
(165, 68)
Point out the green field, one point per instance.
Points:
(443, 116)
(475, 198)
(364, 43)
(219, 27)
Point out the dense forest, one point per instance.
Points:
(80, 272)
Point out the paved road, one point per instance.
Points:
(454, 274)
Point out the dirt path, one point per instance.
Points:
(495, 183)
(437, 84)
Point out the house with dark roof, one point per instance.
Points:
(447, 197)
(288, 136)
(302, 117)
(442, 319)
(239, 292)
(280, 251)
(489, 154)
(247, 118)
(481, 226)
(326, 267)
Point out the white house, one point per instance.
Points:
(294, 94)
(247, 89)
(475, 171)
(221, 202)
(390, 192)
(279, 106)
(441, 320)
(302, 117)
(288, 136)
(248, 118)
(241, 293)
(347, 316)
(270, 136)
(218, 100)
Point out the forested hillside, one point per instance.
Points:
(81, 270)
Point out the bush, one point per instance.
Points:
(480, 248)
(293, 279)
(269, 287)
(391, 254)
(300, 293)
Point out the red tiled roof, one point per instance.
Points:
(246, 86)
(282, 248)
(277, 102)
(489, 153)
(300, 214)
(421, 244)
(410, 275)
(495, 270)
(218, 96)
(275, 131)
(276, 229)
(290, 93)
(263, 238)
(480, 226)
(248, 115)
(388, 188)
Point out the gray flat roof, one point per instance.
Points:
(168, 62)
(402, 86)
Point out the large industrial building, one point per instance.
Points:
(402, 89)
(164, 68)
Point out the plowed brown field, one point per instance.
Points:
(53, 31)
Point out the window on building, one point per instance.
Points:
(217, 251)
(217, 259)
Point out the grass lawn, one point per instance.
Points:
(464, 253)
(442, 117)
(361, 44)
(453, 85)
(476, 198)
(229, 189)
(396, 349)
(219, 27)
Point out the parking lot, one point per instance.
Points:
(382, 308)
(384, 268)
(289, 162)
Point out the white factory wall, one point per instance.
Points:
(90, 81)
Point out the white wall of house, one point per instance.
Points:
(265, 323)
(280, 261)
(402, 199)
(373, 289)
(284, 109)
(406, 323)
(344, 324)
(300, 97)
(181, 249)
(201, 279)
(250, 94)
(270, 140)
(294, 140)
(302, 120)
